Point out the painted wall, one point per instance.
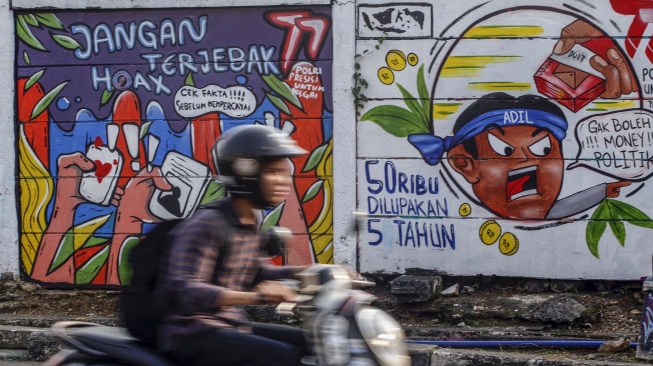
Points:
(506, 137)
(117, 112)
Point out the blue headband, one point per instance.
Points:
(433, 148)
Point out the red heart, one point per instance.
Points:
(102, 170)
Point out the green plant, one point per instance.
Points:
(360, 84)
(613, 213)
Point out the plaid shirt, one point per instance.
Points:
(191, 281)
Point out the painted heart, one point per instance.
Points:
(102, 170)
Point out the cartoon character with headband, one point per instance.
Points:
(510, 150)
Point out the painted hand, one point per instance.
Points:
(613, 65)
(612, 190)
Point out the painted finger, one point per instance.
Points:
(622, 67)
(611, 74)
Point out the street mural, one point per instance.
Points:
(518, 137)
(118, 112)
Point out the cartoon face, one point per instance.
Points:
(518, 172)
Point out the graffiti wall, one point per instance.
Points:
(117, 113)
(512, 138)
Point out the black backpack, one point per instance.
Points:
(142, 304)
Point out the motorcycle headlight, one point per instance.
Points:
(384, 336)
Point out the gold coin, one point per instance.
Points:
(490, 232)
(412, 59)
(386, 75)
(508, 244)
(396, 60)
(465, 209)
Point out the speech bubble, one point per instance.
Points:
(234, 101)
(616, 144)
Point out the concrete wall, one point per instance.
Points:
(549, 179)
(118, 110)
(550, 186)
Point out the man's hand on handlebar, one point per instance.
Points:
(271, 292)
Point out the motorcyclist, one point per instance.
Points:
(215, 262)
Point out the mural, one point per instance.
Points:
(118, 112)
(519, 137)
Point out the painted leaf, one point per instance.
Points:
(631, 214)
(76, 238)
(33, 79)
(66, 42)
(596, 227)
(91, 268)
(124, 270)
(314, 159)
(395, 120)
(50, 20)
(106, 96)
(214, 192)
(411, 103)
(278, 103)
(272, 218)
(283, 89)
(312, 191)
(26, 58)
(65, 250)
(423, 94)
(619, 231)
(47, 99)
(145, 128)
(95, 240)
(190, 81)
(25, 35)
(31, 20)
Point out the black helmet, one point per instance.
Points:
(238, 155)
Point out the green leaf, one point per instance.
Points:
(124, 269)
(26, 58)
(106, 96)
(278, 103)
(95, 240)
(31, 20)
(631, 214)
(50, 20)
(619, 231)
(91, 268)
(283, 89)
(395, 120)
(47, 99)
(33, 79)
(190, 81)
(65, 250)
(314, 159)
(25, 34)
(66, 42)
(412, 103)
(313, 190)
(424, 95)
(596, 227)
(215, 191)
(272, 219)
(593, 234)
(145, 128)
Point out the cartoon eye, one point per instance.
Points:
(542, 147)
(499, 146)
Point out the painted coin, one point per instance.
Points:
(490, 232)
(508, 244)
(465, 209)
(386, 75)
(396, 60)
(412, 59)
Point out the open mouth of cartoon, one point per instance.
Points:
(522, 182)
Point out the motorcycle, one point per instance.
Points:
(342, 326)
